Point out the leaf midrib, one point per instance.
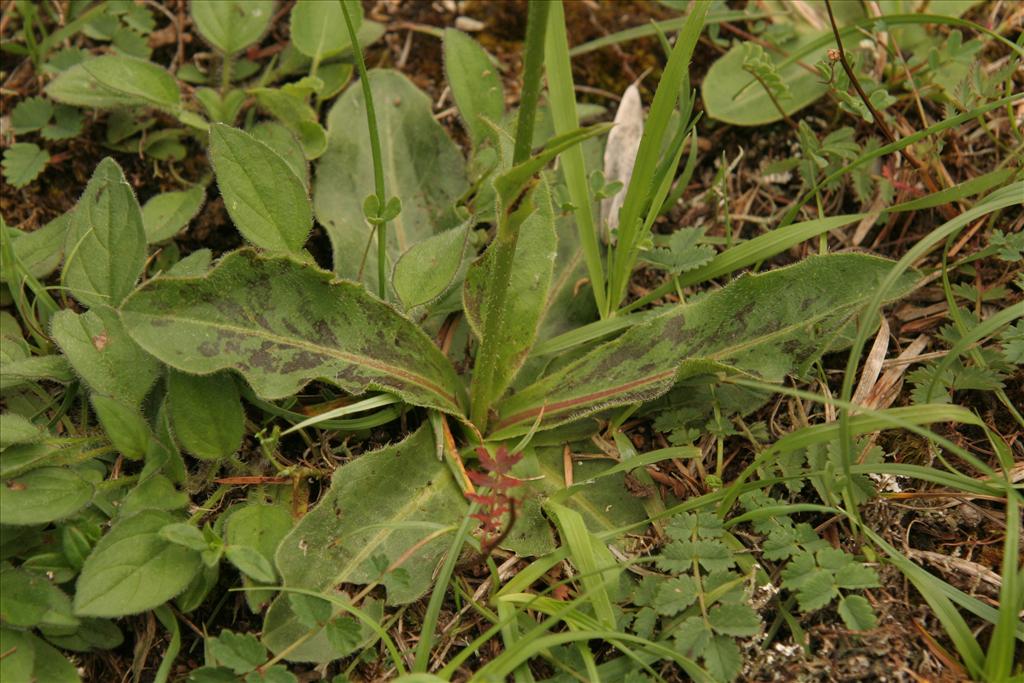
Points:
(352, 358)
(648, 379)
(378, 538)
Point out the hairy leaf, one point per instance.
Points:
(476, 85)
(125, 426)
(43, 495)
(207, 414)
(105, 247)
(266, 200)
(29, 599)
(422, 167)
(356, 531)
(115, 81)
(165, 214)
(532, 269)
(16, 429)
(764, 325)
(278, 138)
(101, 352)
(133, 568)
(281, 323)
(426, 271)
(136, 78)
(40, 251)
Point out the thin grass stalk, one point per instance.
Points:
(561, 95)
(533, 66)
(1001, 648)
(1008, 196)
(507, 234)
(378, 164)
(422, 661)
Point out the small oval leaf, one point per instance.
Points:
(43, 495)
(231, 25)
(133, 568)
(266, 200)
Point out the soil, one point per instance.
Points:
(909, 643)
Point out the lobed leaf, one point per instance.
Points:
(282, 323)
(23, 162)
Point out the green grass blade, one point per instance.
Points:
(562, 99)
(578, 538)
(968, 188)
(656, 27)
(1001, 649)
(931, 590)
(641, 183)
(500, 666)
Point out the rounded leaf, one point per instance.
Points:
(206, 413)
(265, 199)
(231, 25)
(133, 569)
(43, 495)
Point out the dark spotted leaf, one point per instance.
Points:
(532, 268)
(281, 323)
(412, 495)
(763, 325)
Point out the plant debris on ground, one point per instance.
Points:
(532, 341)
